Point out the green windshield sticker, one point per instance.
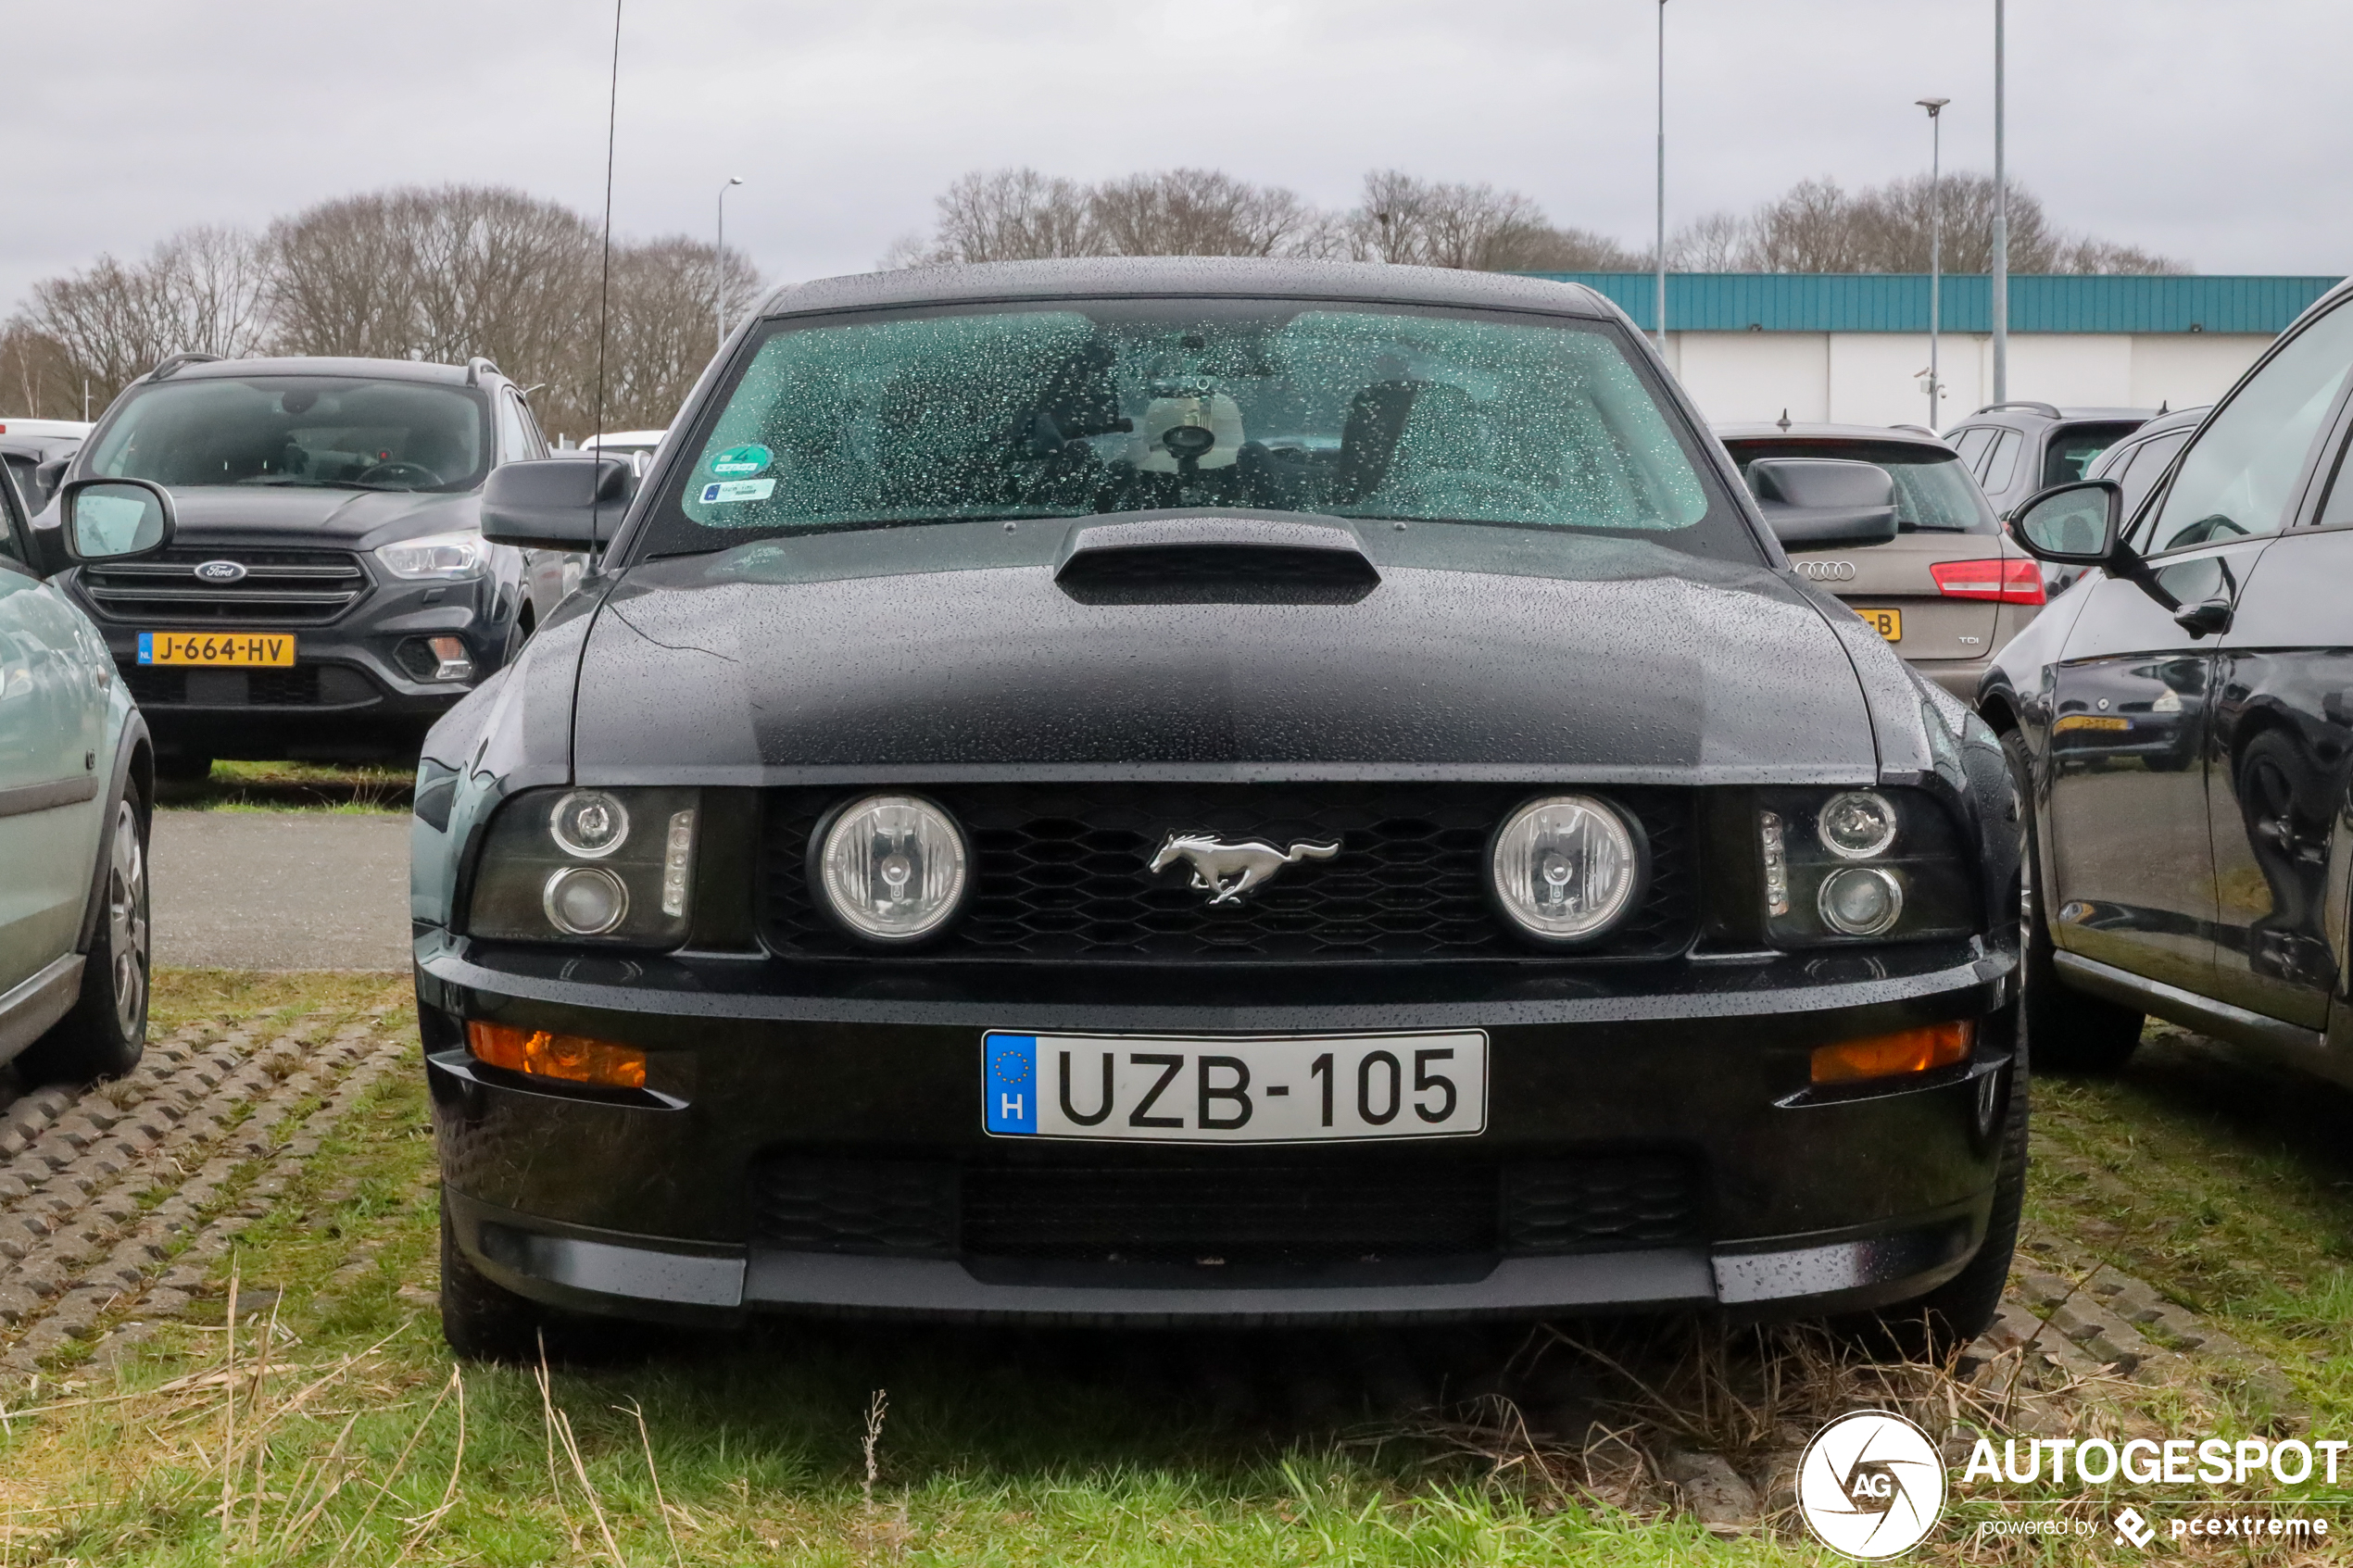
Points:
(741, 462)
(739, 490)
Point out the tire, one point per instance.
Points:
(484, 1321)
(2073, 1033)
(107, 1031)
(1935, 1326)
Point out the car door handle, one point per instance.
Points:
(2207, 615)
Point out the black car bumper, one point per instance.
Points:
(347, 696)
(1700, 1167)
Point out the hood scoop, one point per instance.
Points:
(1174, 561)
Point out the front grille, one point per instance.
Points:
(1240, 1209)
(1063, 872)
(279, 588)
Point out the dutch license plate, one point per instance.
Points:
(1269, 1088)
(217, 647)
(1888, 624)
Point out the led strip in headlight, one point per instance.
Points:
(602, 865)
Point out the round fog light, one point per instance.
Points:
(1565, 869)
(892, 868)
(588, 823)
(584, 900)
(1860, 900)
(1856, 825)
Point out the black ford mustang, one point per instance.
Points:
(1172, 792)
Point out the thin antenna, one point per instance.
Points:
(604, 280)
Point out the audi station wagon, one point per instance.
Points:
(1177, 791)
(1950, 589)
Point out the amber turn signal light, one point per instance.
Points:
(575, 1059)
(1888, 1055)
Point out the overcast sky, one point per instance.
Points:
(2213, 132)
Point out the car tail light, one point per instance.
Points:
(2014, 582)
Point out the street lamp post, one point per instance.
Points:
(1935, 242)
(2001, 279)
(719, 263)
(1659, 254)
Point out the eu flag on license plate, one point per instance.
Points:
(1010, 1064)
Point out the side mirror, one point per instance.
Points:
(556, 503)
(2071, 524)
(114, 519)
(1815, 503)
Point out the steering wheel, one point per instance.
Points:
(414, 475)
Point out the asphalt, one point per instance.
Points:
(280, 890)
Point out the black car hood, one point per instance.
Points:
(754, 665)
(360, 518)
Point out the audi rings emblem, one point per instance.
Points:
(1826, 571)
(221, 572)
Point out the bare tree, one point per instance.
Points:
(1007, 215)
(203, 291)
(1816, 226)
(661, 332)
(1195, 212)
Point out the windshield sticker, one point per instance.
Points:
(738, 490)
(742, 461)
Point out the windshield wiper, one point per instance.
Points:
(312, 483)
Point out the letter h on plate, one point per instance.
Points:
(1011, 1092)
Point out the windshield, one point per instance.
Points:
(340, 431)
(1354, 411)
(1933, 491)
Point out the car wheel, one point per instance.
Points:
(2073, 1033)
(106, 1031)
(484, 1321)
(1935, 1326)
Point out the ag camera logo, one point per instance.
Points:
(1871, 1485)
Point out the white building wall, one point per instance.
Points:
(1874, 378)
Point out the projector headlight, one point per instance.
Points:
(1566, 868)
(446, 558)
(1861, 865)
(610, 866)
(893, 868)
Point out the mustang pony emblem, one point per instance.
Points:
(1247, 864)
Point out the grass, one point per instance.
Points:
(273, 786)
(2225, 1183)
(835, 1445)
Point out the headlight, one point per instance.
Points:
(582, 865)
(1861, 865)
(892, 868)
(1565, 868)
(435, 557)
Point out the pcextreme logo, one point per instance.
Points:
(1871, 1485)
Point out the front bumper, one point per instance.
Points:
(644, 1204)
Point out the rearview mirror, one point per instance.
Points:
(114, 519)
(2071, 524)
(556, 503)
(1813, 502)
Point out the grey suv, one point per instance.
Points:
(2016, 448)
(329, 594)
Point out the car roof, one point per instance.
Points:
(322, 365)
(1114, 277)
(2018, 414)
(2176, 419)
(1894, 435)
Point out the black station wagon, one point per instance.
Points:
(1183, 792)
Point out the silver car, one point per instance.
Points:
(76, 778)
(1951, 587)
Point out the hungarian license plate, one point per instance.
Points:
(1267, 1088)
(1888, 624)
(217, 647)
